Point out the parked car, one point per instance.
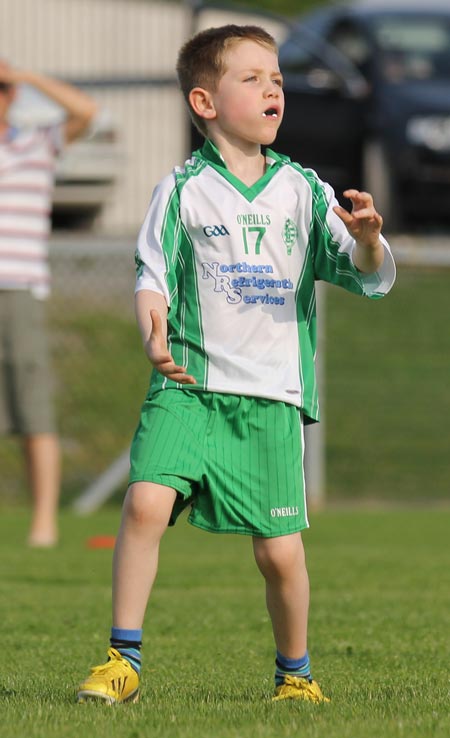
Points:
(367, 89)
(87, 170)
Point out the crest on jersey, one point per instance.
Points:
(139, 264)
(290, 234)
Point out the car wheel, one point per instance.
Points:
(378, 179)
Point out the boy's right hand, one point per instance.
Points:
(159, 355)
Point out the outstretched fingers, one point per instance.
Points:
(363, 206)
(160, 355)
(364, 222)
(172, 371)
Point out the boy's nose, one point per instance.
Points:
(272, 90)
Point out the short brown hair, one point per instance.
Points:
(201, 59)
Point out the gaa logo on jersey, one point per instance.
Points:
(290, 234)
(215, 230)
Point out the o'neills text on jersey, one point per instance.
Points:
(284, 512)
(255, 219)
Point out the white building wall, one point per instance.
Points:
(219, 17)
(93, 37)
(112, 39)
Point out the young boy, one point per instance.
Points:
(226, 262)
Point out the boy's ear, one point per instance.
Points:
(201, 103)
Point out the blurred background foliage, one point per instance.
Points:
(281, 7)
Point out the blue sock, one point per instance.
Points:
(291, 667)
(128, 643)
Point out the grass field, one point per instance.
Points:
(386, 399)
(378, 633)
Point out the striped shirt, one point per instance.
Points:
(237, 266)
(27, 161)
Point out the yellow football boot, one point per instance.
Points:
(113, 682)
(297, 688)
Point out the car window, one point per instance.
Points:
(413, 48)
(412, 35)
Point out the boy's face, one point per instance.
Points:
(249, 100)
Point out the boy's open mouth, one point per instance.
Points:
(270, 113)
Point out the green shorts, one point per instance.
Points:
(237, 461)
(26, 403)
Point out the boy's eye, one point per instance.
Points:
(249, 79)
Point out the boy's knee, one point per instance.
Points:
(146, 505)
(276, 557)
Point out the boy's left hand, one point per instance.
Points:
(363, 223)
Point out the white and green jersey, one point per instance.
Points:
(237, 267)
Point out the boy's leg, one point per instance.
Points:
(145, 517)
(281, 561)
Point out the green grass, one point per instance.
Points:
(387, 395)
(386, 400)
(103, 377)
(379, 629)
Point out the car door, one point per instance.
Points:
(325, 98)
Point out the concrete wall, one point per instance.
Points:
(93, 37)
(107, 41)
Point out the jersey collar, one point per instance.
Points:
(211, 154)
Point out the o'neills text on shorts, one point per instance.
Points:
(284, 512)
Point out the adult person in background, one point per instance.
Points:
(27, 163)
